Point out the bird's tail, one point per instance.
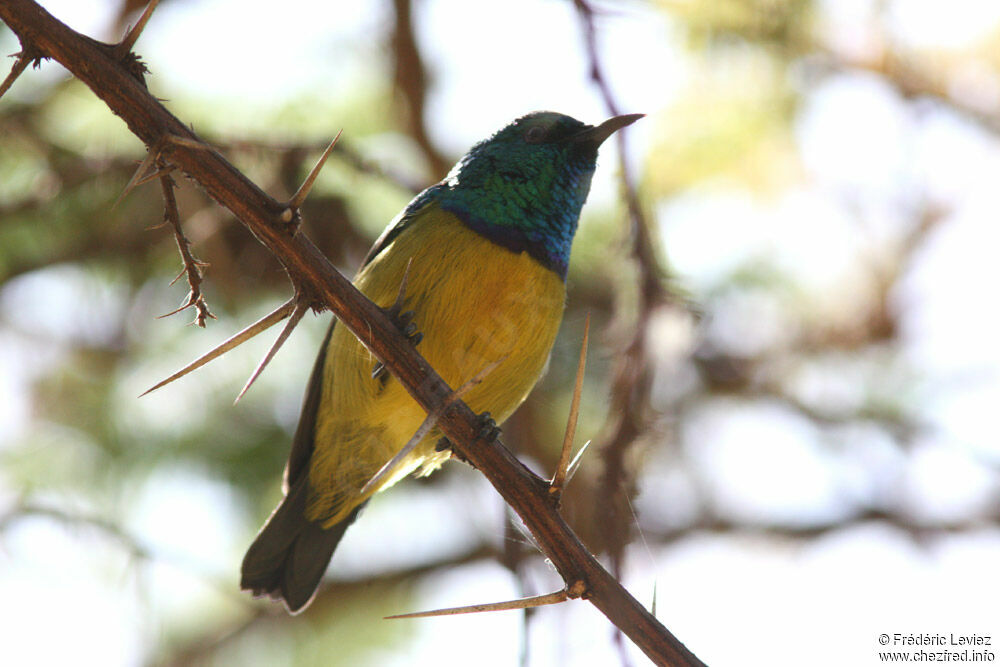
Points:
(288, 558)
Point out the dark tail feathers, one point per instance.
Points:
(290, 555)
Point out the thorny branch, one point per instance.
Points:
(24, 510)
(192, 266)
(117, 84)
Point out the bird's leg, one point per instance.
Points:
(403, 319)
(488, 430)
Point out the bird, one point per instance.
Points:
(484, 254)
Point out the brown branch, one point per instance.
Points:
(308, 269)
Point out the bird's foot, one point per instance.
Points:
(488, 430)
(406, 326)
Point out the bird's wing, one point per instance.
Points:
(302, 442)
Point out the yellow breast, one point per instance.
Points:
(476, 304)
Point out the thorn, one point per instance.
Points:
(301, 306)
(179, 275)
(562, 468)
(575, 464)
(429, 423)
(188, 302)
(522, 603)
(401, 294)
(300, 195)
(160, 171)
(130, 38)
(23, 60)
(140, 174)
(257, 327)
(187, 142)
(394, 311)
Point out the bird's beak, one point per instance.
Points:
(596, 135)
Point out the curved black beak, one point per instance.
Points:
(596, 135)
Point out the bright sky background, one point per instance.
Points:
(733, 600)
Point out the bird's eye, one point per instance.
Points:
(535, 134)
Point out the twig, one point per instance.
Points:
(23, 510)
(192, 266)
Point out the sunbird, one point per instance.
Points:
(485, 254)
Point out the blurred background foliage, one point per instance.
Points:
(813, 397)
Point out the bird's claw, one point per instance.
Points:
(488, 430)
(406, 326)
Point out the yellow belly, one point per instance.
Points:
(476, 303)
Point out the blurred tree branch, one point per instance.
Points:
(411, 82)
(330, 598)
(117, 78)
(629, 411)
(912, 78)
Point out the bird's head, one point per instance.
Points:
(525, 185)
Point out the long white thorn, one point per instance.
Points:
(559, 477)
(428, 424)
(521, 603)
(301, 306)
(257, 327)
